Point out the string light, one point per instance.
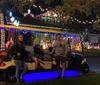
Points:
(41, 8)
(13, 20)
(52, 14)
(25, 32)
(29, 13)
(84, 22)
(2, 33)
(10, 14)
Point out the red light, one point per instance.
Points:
(2, 64)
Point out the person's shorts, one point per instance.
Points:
(60, 59)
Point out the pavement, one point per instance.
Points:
(94, 63)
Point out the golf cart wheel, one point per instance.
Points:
(85, 68)
(9, 74)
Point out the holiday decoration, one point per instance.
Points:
(13, 20)
(29, 13)
(2, 32)
(84, 22)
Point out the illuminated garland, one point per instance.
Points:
(84, 22)
(13, 20)
(2, 45)
(29, 13)
(41, 8)
(53, 18)
(36, 32)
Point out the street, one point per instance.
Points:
(94, 64)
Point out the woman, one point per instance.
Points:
(19, 53)
(60, 51)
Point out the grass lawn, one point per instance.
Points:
(88, 79)
(92, 52)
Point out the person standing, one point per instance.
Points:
(19, 52)
(60, 50)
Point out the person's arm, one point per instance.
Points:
(12, 50)
(66, 49)
(53, 49)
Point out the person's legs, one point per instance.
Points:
(24, 68)
(58, 67)
(64, 65)
(63, 68)
(18, 64)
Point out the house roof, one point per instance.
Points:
(36, 21)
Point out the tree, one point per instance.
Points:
(97, 26)
(21, 5)
(67, 7)
(81, 9)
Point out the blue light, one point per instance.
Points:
(1, 28)
(21, 31)
(32, 31)
(38, 76)
(12, 29)
(10, 14)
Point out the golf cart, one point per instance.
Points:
(44, 63)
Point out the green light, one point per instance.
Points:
(58, 20)
(45, 18)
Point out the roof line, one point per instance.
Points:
(35, 29)
(37, 26)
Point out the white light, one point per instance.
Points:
(72, 20)
(10, 14)
(29, 11)
(34, 5)
(95, 21)
(46, 34)
(15, 22)
(84, 22)
(55, 15)
(12, 19)
(90, 22)
(46, 9)
(79, 21)
(98, 19)
(64, 17)
(39, 6)
(49, 14)
(87, 21)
